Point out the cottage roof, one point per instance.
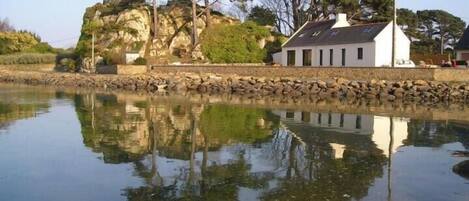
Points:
(322, 33)
(463, 43)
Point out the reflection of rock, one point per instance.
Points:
(462, 169)
(461, 153)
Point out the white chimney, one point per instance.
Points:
(341, 21)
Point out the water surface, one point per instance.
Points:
(62, 145)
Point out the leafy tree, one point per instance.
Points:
(262, 16)
(378, 10)
(408, 20)
(442, 25)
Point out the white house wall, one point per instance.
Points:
(384, 46)
(351, 55)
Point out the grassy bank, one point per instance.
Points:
(27, 58)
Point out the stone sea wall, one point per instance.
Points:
(351, 73)
(405, 90)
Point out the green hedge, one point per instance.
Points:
(27, 58)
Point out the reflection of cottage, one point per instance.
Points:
(343, 123)
(377, 127)
(462, 48)
(382, 133)
(337, 43)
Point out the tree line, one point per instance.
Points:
(431, 31)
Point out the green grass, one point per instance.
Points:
(27, 58)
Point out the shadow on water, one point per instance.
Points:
(201, 151)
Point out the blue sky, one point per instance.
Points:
(58, 21)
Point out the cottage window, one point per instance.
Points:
(307, 57)
(360, 53)
(343, 57)
(331, 57)
(321, 57)
(291, 57)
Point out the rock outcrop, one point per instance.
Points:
(128, 27)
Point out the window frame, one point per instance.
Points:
(321, 57)
(291, 61)
(307, 55)
(344, 56)
(360, 53)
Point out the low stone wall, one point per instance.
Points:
(337, 88)
(451, 75)
(122, 69)
(29, 67)
(352, 73)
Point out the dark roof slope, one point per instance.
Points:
(344, 35)
(463, 43)
(305, 35)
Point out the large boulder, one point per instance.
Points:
(462, 169)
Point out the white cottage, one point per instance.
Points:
(337, 43)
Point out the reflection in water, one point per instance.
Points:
(184, 151)
(21, 103)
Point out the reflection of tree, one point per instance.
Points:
(22, 103)
(227, 124)
(432, 134)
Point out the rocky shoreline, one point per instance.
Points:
(405, 90)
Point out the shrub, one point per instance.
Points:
(41, 48)
(27, 58)
(140, 61)
(234, 43)
(13, 42)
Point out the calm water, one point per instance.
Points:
(57, 145)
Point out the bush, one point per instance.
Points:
(234, 43)
(140, 61)
(13, 42)
(41, 48)
(27, 58)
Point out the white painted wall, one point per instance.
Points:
(341, 21)
(384, 46)
(351, 55)
(459, 54)
(131, 57)
(298, 55)
(277, 58)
